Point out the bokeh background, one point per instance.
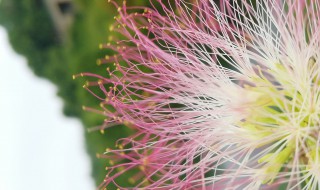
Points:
(57, 38)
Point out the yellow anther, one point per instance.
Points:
(131, 180)
(142, 168)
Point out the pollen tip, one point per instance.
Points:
(131, 180)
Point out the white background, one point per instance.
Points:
(39, 147)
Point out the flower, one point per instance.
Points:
(221, 95)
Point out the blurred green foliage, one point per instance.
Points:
(32, 34)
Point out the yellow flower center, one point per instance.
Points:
(284, 118)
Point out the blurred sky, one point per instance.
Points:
(39, 147)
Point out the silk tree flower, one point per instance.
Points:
(221, 95)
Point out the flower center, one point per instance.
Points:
(284, 118)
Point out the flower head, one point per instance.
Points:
(221, 95)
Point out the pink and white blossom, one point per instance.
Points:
(221, 95)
